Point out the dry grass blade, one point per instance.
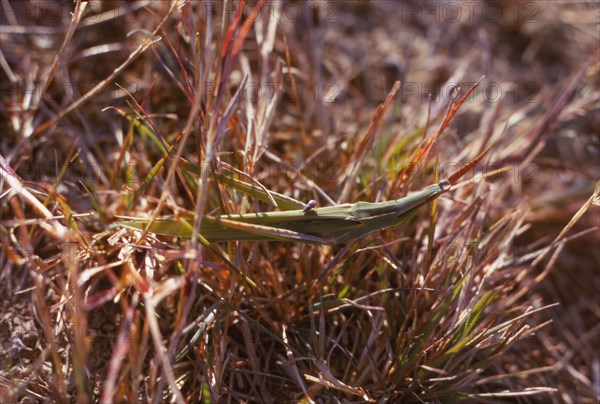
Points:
(8, 174)
(77, 15)
(108, 80)
(119, 353)
(366, 143)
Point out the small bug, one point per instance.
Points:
(309, 205)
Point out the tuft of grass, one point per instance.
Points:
(169, 230)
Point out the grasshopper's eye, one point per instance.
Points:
(309, 205)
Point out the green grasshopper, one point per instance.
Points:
(330, 225)
(324, 225)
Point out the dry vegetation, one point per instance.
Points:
(158, 110)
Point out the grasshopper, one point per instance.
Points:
(331, 225)
(324, 225)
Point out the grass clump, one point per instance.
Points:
(158, 243)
